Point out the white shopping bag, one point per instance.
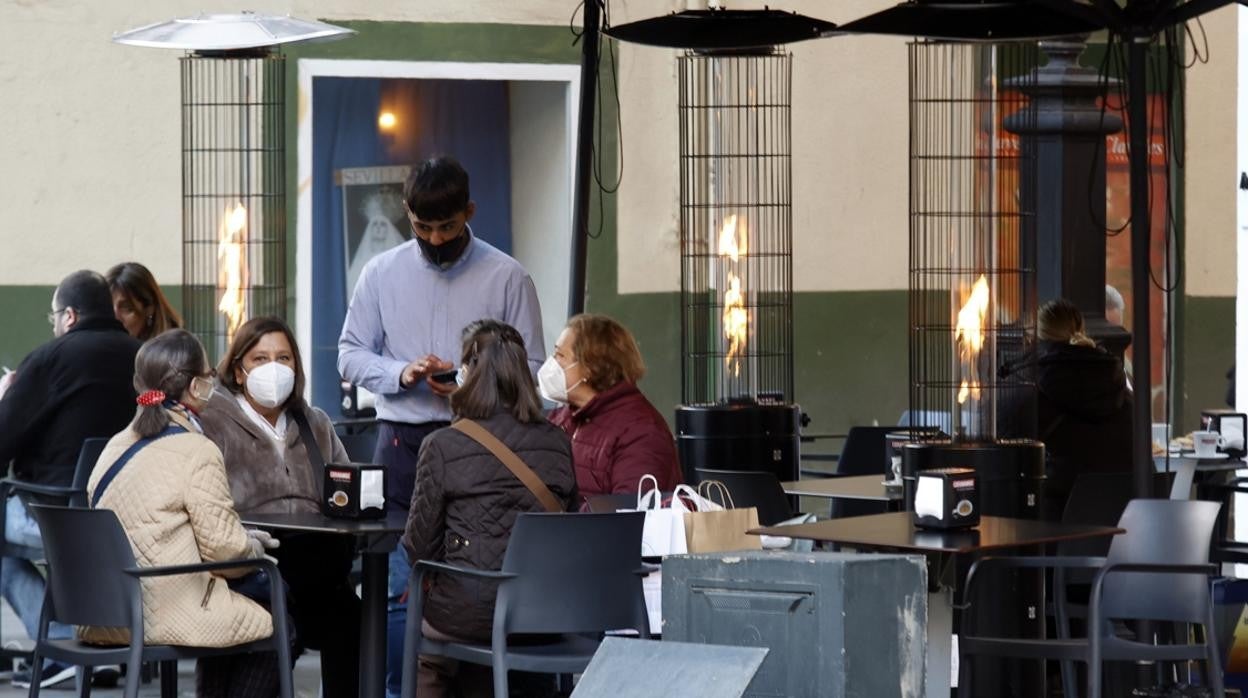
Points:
(664, 531)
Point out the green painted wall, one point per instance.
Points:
(1208, 350)
(25, 312)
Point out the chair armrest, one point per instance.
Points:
(1098, 584)
(9, 484)
(1033, 562)
(168, 570)
(647, 568)
(434, 566)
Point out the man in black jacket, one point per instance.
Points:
(78, 386)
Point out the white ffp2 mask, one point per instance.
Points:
(270, 384)
(552, 381)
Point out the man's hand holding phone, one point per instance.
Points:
(420, 369)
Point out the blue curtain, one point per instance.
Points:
(466, 119)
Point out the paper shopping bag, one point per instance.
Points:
(721, 530)
(664, 529)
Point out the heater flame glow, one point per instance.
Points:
(970, 337)
(733, 243)
(232, 266)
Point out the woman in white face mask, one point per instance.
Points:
(258, 418)
(618, 437)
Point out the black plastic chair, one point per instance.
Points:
(611, 503)
(1158, 570)
(757, 489)
(575, 576)
(93, 580)
(863, 453)
(74, 495)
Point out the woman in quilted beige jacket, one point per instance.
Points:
(173, 500)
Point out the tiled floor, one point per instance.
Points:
(307, 670)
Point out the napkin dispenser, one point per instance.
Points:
(946, 498)
(1233, 426)
(354, 491)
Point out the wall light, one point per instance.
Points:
(386, 121)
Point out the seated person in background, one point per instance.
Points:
(253, 417)
(173, 501)
(466, 501)
(138, 302)
(617, 435)
(1083, 404)
(77, 386)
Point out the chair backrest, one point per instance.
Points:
(757, 489)
(577, 573)
(1163, 531)
(611, 503)
(864, 451)
(87, 457)
(86, 551)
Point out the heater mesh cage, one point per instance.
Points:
(736, 227)
(972, 291)
(233, 192)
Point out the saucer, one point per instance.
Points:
(1216, 456)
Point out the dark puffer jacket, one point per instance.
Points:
(1084, 413)
(617, 437)
(464, 506)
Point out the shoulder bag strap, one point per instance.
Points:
(524, 473)
(309, 440)
(125, 458)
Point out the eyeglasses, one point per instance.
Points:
(52, 316)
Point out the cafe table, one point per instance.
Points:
(374, 539)
(861, 487)
(948, 553)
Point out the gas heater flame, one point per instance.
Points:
(732, 246)
(970, 337)
(232, 269)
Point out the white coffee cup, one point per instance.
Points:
(1207, 443)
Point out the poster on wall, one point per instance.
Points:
(373, 218)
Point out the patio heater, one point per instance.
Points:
(736, 226)
(233, 164)
(736, 263)
(972, 312)
(972, 290)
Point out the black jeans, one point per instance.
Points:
(324, 605)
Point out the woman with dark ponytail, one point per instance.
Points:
(166, 483)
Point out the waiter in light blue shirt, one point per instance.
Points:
(403, 326)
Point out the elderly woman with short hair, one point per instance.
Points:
(617, 435)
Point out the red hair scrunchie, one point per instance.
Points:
(151, 397)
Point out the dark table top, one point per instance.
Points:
(394, 522)
(896, 531)
(868, 487)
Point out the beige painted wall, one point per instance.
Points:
(1212, 176)
(92, 170)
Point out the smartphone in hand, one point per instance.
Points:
(445, 377)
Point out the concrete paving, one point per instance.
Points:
(307, 670)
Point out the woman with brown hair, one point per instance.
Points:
(1083, 403)
(138, 302)
(259, 419)
(617, 435)
(466, 500)
(167, 485)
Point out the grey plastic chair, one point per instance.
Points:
(573, 576)
(1158, 570)
(757, 489)
(93, 579)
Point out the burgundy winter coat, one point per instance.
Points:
(617, 437)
